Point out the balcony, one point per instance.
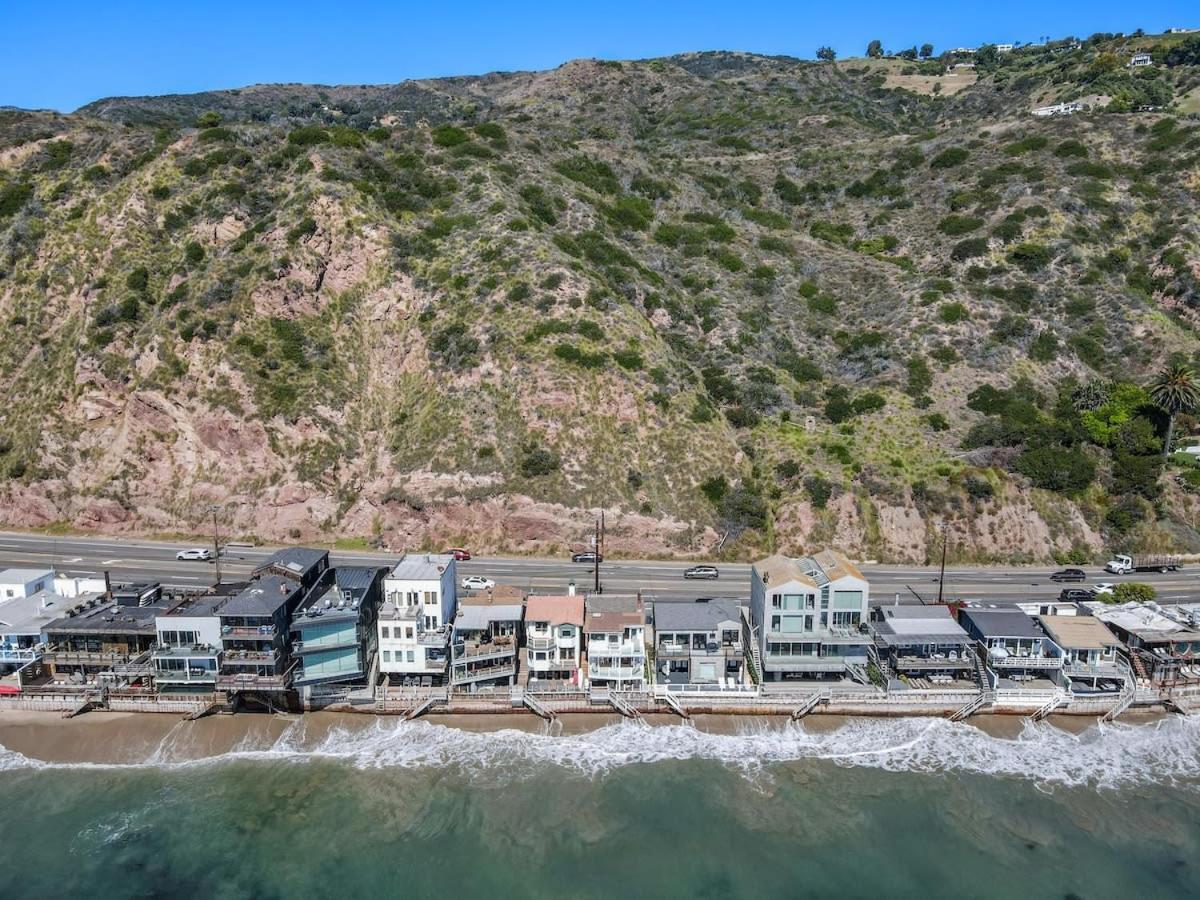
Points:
(185, 676)
(251, 657)
(626, 648)
(1025, 662)
(19, 654)
(82, 658)
(553, 665)
(684, 651)
(248, 632)
(227, 682)
(437, 638)
(540, 642)
(460, 675)
(616, 673)
(498, 648)
(194, 651)
(809, 663)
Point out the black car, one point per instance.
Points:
(587, 556)
(1076, 595)
(1069, 575)
(701, 572)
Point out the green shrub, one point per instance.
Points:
(952, 313)
(572, 354)
(308, 136)
(1070, 148)
(1026, 145)
(537, 461)
(1130, 592)
(955, 225)
(305, 227)
(193, 252)
(969, 249)
(949, 158)
(819, 490)
(449, 136)
(1030, 256)
(594, 174)
(13, 197)
(1056, 469)
(937, 422)
(715, 488)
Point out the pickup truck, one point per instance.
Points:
(1121, 564)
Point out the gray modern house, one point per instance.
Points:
(699, 643)
(1016, 647)
(334, 635)
(923, 642)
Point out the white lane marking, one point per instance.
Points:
(109, 562)
(74, 559)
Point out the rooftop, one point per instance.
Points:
(356, 578)
(477, 617)
(29, 615)
(1003, 623)
(779, 569)
(836, 566)
(199, 606)
(109, 618)
(1146, 620)
(24, 576)
(261, 598)
(700, 615)
(919, 624)
(500, 595)
(560, 610)
(422, 566)
(297, 560)
(1078, 632)
(612, 622)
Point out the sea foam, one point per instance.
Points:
(1102, 756)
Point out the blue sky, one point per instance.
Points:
(62, 55)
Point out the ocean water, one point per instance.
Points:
(877, 808)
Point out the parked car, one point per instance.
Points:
(1076, 595)
(1069, 575)
(587, 556)
(195, 553)
(1104, 587)
(701, 572)
(477, 583)
(459, 554)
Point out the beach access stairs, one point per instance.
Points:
(536, 706)
(1059, 699)
(674, 705)
(974, 705)
(810, 704)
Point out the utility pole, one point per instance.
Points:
(598, 545)
(216, 543)
(942, 574)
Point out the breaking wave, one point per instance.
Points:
(1102, 756)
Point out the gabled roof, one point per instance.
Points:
(780, 569)
(837, 566)
(560, 610)
(297, 561)
(613, 622)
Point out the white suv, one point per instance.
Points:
(195, 553)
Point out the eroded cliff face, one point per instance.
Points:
(731, 301)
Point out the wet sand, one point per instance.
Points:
(132, 738)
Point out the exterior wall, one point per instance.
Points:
(619, 663)
(13, 589)
(400, 653)
(552, 644)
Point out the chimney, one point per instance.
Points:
(571, 589)
(107, 585)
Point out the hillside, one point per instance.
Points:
(717, 294)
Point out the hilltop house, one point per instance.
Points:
(334, 631)
(1140, 61)
(923, 642)
(419, 599)
(615, 629)
(699, 643)
(1015, 646)
(807, 616)
(553, 626)
(484, 638)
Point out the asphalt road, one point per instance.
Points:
(135, 559)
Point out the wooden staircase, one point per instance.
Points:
(985, 698)
(809, 705)
(537, 707)
(622, 707)
(675, 705)
(1122, 704)
(1048, 707)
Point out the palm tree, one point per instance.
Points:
(1174, 390)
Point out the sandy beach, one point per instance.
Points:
(131, 738)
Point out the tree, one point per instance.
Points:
(909, 54)
(1174, 390)
(926, 51)
(208, 120)
(875, 49)
(1131, 591)
(826, 54)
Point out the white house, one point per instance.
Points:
(1058, 109)
(1004, 48)
(23, 582)
(615, 628)
(420, 596)
(1140, 61)
(74, 585)
(808, 616)
(188, 646)
(553, 629)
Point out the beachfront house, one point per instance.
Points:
(99, 641)
(256, 622)
(188, 645)
(615, 633)
(808, 615)
(484, 638)
(1014, 646)
(924, 645)
(334, 635)
(1163, 642)
(22, 620)
(553, 638)
(1089, 650)
(419, 599)
(699, 643)
(16, 583)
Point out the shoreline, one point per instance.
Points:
(132, 738)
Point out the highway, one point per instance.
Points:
(135, 559)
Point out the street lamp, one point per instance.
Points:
(214, 508)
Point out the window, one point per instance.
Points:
(540, 656)
(809, 601)
(385, 632)
(387, 655)
(729, 638)
(408, 632)
(776, 622)
(408, 657)
(776, 601)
